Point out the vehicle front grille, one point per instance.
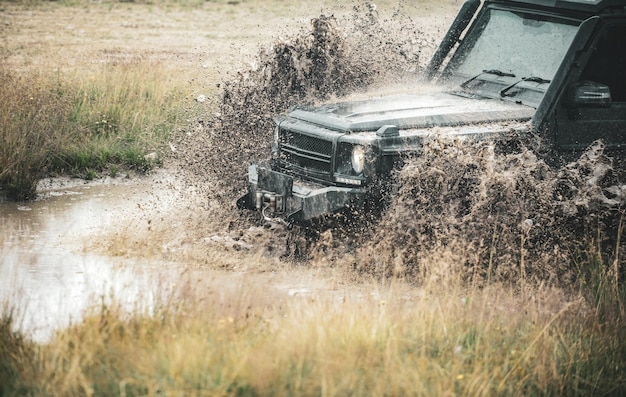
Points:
(305, 151)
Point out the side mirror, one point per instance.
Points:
(589, 94)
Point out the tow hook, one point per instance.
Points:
(270, 201)
(265, 200)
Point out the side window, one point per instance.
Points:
(608, 62)
(588, 114)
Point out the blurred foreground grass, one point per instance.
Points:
(449, 340)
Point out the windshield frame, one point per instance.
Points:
(535, 90)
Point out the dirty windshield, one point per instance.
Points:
(510, 46)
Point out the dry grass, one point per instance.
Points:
(33, 115)
(248, 342)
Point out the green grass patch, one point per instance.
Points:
(122, 114)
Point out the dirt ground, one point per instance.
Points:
(201, 44)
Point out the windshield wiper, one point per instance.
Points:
(532, 79)
(487, 71)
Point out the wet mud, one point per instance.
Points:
(48, 270)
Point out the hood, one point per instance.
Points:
(411, 111)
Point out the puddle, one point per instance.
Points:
(54, 266)
(49, 276)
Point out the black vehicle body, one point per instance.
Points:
(551, 68)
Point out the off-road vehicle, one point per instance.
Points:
(551, 68)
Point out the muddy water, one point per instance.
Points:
(57, 259)
(46, 271)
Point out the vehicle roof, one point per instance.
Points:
(591, 7)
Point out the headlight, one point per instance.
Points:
(358, 159)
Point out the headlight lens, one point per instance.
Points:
(358, 159)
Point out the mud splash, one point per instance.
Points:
(331, 58)
(469, 209)
(493, 215)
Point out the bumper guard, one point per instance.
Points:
(275, 194)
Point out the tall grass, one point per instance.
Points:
(80, 124)
(450, 340)
(16, 353)
(125, 111)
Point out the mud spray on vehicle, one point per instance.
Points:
(484, 211)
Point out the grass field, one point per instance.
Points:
(95, 87)
(99, 86)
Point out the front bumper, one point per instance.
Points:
(277, 195)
